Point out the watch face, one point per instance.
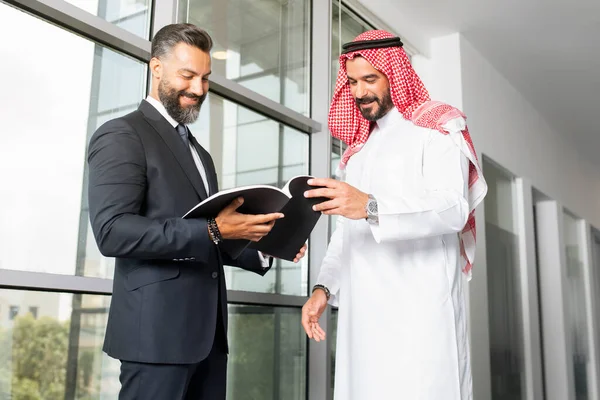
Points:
(372, 207)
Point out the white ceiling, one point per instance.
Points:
(548, 49)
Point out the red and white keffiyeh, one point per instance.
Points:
(412, 100)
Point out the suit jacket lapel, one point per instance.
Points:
(175, 144)
(209, 166)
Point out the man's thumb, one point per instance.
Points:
(235, 204)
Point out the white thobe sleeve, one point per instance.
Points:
(441, 209)
(329, 276)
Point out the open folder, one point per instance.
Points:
(288, 234)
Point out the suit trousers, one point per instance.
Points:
(206, 380)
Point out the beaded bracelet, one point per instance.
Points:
(213, 229)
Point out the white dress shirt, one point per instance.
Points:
(163, 111)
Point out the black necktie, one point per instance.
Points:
(183, 132)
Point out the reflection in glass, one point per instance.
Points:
(263, 45)
(267, 354)
(576, 307)
(504, 294)
(249, 149)
(131, 15)
(43, 203)
(56, 354)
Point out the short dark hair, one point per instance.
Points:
(171, 35)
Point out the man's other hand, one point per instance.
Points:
(345, 200)
(234, 225)
(301, 254)
(311, 312)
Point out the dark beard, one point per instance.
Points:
(169, 97)
(385, 104)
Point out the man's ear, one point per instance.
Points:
(156, 68)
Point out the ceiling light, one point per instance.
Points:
(220, 55)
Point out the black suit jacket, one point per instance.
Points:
(168, 274)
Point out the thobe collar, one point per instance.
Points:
(393, 117)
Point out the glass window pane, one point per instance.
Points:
(332, 337)
(267, 349)
(250, 149)
(263, 45)
(57, 355)
(43, 196)
(267, 357)
(131, 15)
(576, 308)
(345, 26)
(505, 317)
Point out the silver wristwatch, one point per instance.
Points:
(372, 213)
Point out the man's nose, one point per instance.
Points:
(361, 91)
(196, 87)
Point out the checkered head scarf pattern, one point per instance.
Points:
(412, 100)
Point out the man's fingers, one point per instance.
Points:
(326, 205)
(323, 192)
(266, 218)
(301, 254)
(327, 182)
(262, 229)
(318, 331)
(306, 324)
(235, 204)
(334, 211)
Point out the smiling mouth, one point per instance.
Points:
(189, 99)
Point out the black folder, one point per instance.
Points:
(288, 234)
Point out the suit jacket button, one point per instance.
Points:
(214, 275)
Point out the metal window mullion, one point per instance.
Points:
(264, 299)
(319, 361)
(42, 281)
(47, 282)
(595, 271)
(586, 253)
(243, 96)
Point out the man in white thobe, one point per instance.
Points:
(405, 235)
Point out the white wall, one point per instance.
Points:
(509, 130)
